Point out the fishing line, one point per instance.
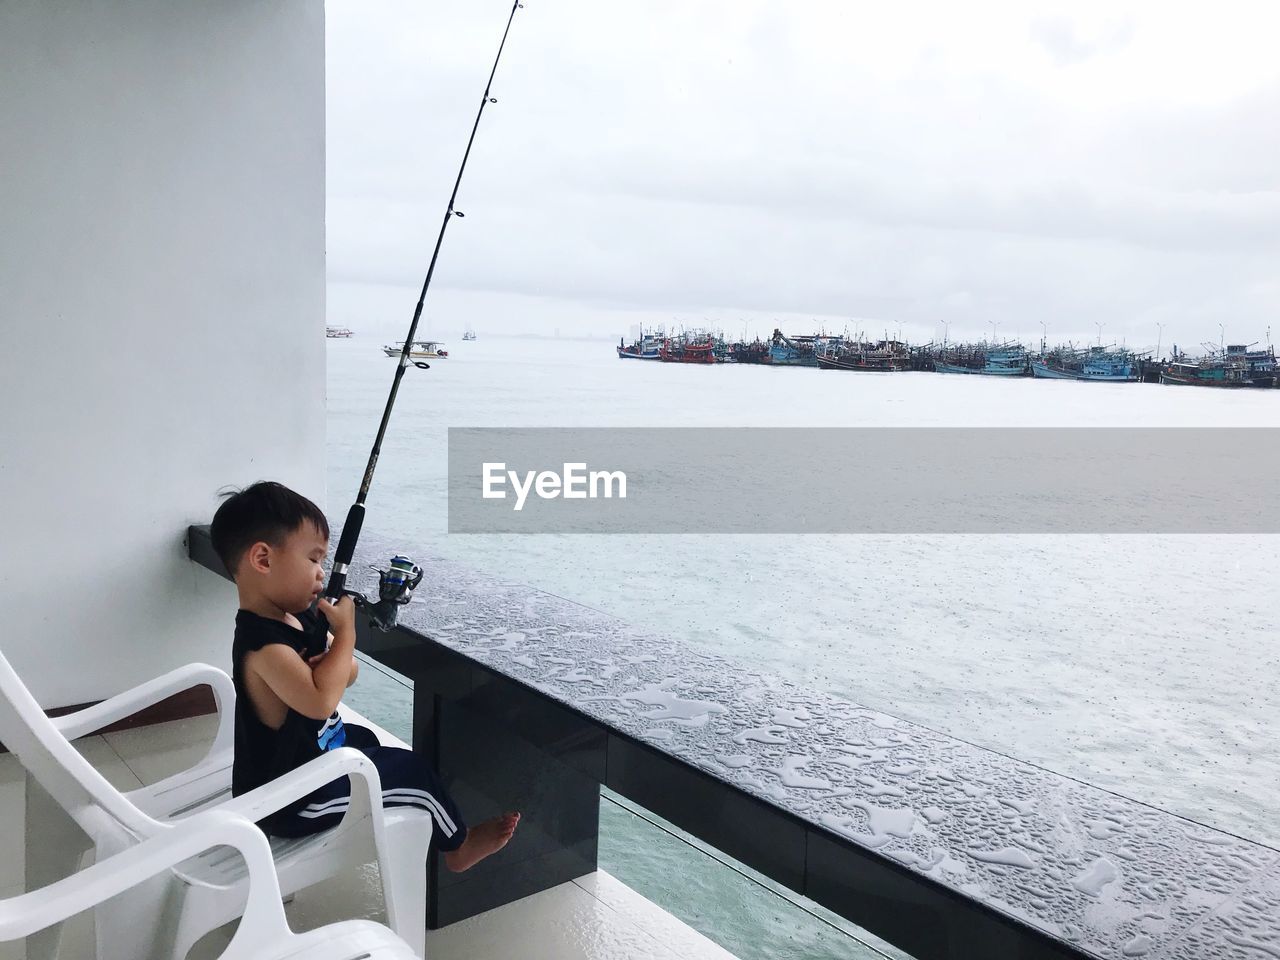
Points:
(397, 583)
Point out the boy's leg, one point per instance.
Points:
(407, 781)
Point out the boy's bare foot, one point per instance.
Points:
(482, 840)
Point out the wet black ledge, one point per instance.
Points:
(524, 699)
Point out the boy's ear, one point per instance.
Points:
(258, 557)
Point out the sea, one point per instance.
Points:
(1148, 665)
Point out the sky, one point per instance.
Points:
(994, 168)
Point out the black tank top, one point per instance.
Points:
(262, 754)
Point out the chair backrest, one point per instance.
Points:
(56, 765)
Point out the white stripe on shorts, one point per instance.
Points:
(405, 796)
(407, 793)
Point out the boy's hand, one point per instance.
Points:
(341, 615)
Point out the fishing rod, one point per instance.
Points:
(396, 583)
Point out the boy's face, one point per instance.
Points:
(294, 571)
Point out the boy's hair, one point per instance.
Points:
(267, 511)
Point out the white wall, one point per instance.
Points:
(161, 315)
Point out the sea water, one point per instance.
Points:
(1147, 665)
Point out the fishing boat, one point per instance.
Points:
(795, 351)
(469, 334)
(420, 350)
(338, 333)
(1004, 360)
(755, 352)
(693, 348)
(1236, 366)
(1199, 374)
(1260, 365)
(886, 356)
(1098, 364)
(648, 347)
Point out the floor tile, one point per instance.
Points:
(351, 896)
(355, 895)
(159, 750)
(108, 763)
(646, 915)
(189, 731)
(563, 923)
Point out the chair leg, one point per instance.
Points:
(189, 922)
(54, 848)
(408, 869)
(141, 923)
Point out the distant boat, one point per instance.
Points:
(1237, 366)
(469, 335)
(1196, 374)
(793, 351)
(1097, 364)
(648, 347)
(420, 350)
(1006, 360)
(689, 348)
(756, 352)
(887, 356)
(338, 333)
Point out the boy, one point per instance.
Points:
(273, 542)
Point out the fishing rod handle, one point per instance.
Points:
(346, 550)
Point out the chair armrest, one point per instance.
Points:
(28, 913)
(123, 705)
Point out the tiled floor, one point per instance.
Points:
(594, 918)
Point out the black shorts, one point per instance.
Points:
(407, 781)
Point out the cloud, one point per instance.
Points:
(1006, 162)
(1062, 37)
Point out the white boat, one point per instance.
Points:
(470, 334)
(420, 350)
(338, 333)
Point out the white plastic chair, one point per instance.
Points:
(164, 917)
(263, 932)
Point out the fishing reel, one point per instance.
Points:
(395, 588)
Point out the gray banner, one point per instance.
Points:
(820, 480)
